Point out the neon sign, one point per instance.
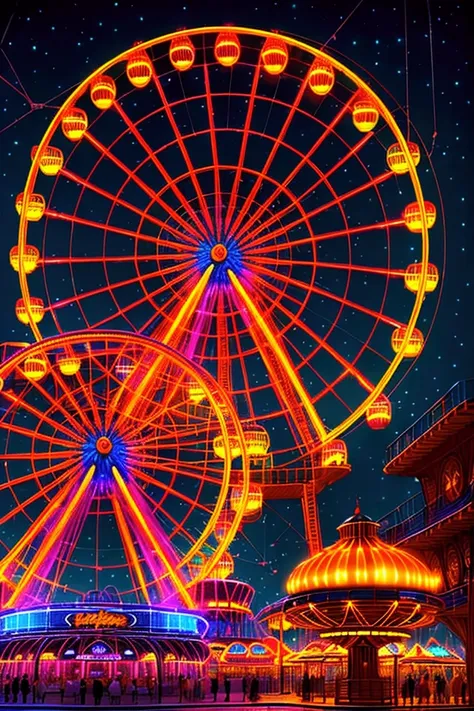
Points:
(99, 620)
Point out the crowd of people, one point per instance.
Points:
(422, 689)
(195, 689)
(21, 689)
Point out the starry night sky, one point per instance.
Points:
(52, 46)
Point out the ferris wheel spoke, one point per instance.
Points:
(185, 312)
(215, 157)
(201, 230)
(51, 261)
(139, 474)
(41, 417)
(34, 435)
(52, 537)
(329, 295)
(184, 152)
(45, 489)
(243, 367)
(347, 365)
(186, 236)
(178, 527)
(382, 271)
(134, 566)
(243, 148)
(387, 224)
(323, 179)
(322, 208)
(280, 356)
(15, 553)
(116, 200)
(157, 547)
(276, 145)
(148, 297)
(329, 129)
(224, 375)
(190, 470)
(138, 237)
(120, 284)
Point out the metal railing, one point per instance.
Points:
(455, 597)
(413, 515)
(354, 691)
(460, 393)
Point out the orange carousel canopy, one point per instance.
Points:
(361, 559)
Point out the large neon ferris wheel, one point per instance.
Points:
(196, 189)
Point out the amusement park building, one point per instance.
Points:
(438, 523)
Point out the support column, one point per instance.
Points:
(311, 518)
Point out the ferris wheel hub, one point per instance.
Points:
(219, 253)
(103, 445)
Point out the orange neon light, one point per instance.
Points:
(282, 357)
(185, 596)
(99, 620)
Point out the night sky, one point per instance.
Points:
(47, 48)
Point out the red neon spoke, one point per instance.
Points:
(117, 285)
(34, 476)
(37, 526)
(327, 132)
(243, 367)
(116, 200)
(322, 208)
(330, 235)
(133, 562)
(35, 435)
(323, 292)
(69, 396)
(324, 177)
(143, 299)
(41, 416)
(51, 537)
(179, 138)
(170, 492)
(215, 157)
(347, 365)
(162, 170)
(21, 508)
(276, 145)
(36, 456)
(332, 265)
(178, 527)
(114, 260)
(147, 190)
(243, 149)
(160, 464)
(122, 231)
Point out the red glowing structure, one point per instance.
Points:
(87, 452)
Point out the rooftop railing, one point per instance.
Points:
(413, 515)
(460, 393)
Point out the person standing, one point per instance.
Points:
(82, 691)
(15, 688)
(62, 688)
(411, 688)
(214, 687)
(405, 690)
(7, 688)
(227, 688)
(97, 691)
(25, 688)
(245, 687)
(134, 691)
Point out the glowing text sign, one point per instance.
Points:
(99, 620)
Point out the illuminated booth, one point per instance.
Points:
(102, 639)
(239, 644)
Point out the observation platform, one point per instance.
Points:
(450, 414)
(289, 483)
